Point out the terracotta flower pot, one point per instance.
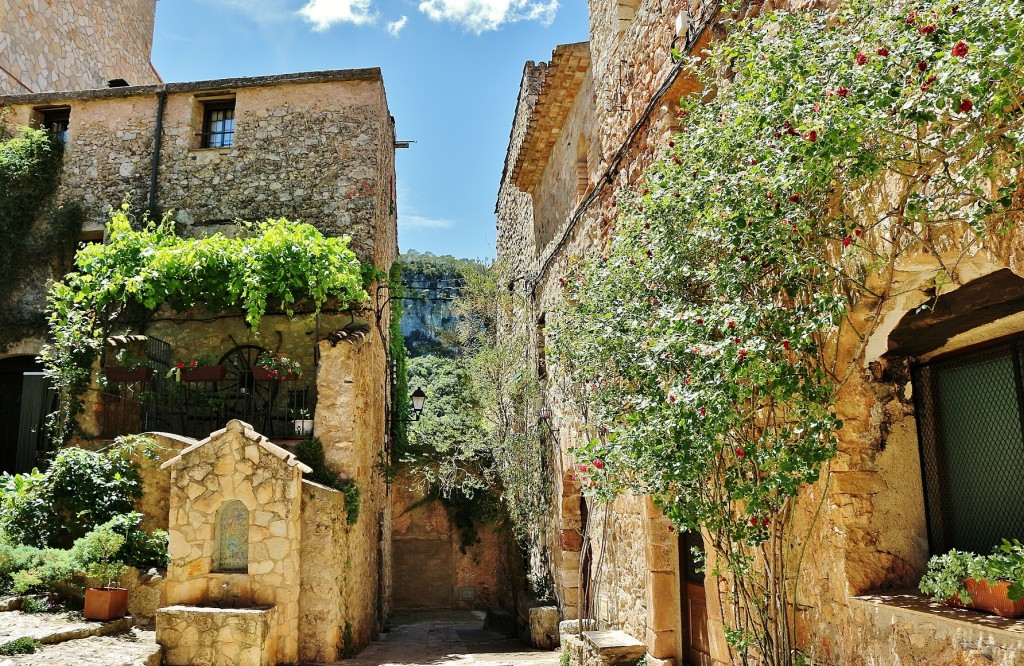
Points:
(261, 374)
(204, 373)
(105, 603)
(121, 375)
(990, 598)
(303, 427)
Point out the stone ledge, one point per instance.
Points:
(615, 647)
(914, 608)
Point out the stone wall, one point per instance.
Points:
(326, 569)
(425, 539)
(75, 45)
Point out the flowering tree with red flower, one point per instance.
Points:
(703, 337)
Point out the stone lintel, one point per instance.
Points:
(616, 647)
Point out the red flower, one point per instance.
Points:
(966, 105)
(764, 522)
(180, 364)
(598, 463)
(882, 51)
(846, 241)
(861, 58)
(857, 232)
(922, 65)
(700, 320)
(731, 324)
(670, 528)
(960, 49)
(753, 521)
(736, 341)
(582, 468)
(927, 29)
(702, 411)
(795, 198)
(843, 91)
(671, 397)
(743, 354)
(811, 136)
(911, 17)
(740, 452)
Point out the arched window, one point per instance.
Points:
(232, 551)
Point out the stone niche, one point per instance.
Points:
(234, 529)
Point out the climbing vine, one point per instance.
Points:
(273, 262)
(704, 342)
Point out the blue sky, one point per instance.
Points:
(451, 68)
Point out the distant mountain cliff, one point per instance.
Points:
(431, 282)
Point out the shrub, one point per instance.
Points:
(20, 646)
(79, 491)
(946, 573)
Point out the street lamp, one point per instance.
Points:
(418, 398)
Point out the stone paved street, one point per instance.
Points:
(432, 639)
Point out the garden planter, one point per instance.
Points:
(263, 375)
(105, 603)
(122, 375)
(991, 598)
(303, 427)
(204, 373)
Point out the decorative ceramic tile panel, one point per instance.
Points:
(233, 537)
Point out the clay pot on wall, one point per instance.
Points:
(105, 603)
(990, 598)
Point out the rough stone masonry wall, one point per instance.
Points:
(325, 570)
(419, 520)
(238, 464)
(349, 421)
(321, 152)
(47, 45)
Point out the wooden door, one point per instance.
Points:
(693, 603)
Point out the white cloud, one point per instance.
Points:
(419, 222)
(325, 13)
(482, 15)
(395, 27)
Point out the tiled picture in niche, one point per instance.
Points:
(233, 537)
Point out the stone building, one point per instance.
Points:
(586, 124)
(316, 147)
(46, 46)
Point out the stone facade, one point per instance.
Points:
(424, 538)
(619, 563)
(75, 45)
(316, 147)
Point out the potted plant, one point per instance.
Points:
(96, 556)
(303, 423)
(991, 583)
(201, 368)
(272, 366)
(129, 369)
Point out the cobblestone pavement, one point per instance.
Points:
(432, 639)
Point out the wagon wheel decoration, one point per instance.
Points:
(244, 397)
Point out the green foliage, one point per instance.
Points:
(273, 262)
(563, 658)
(311, 452)
(425, 267)
(348, 642)
(96, 554)
(946, 573)
(24, 569)
(30, 163)
(79, 491)
(20, 646)
(700, 345)
(35, 605)
(400, 381)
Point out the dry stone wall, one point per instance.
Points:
(48, 45)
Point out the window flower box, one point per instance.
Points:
(204, 373)
(266, 375)
(121, 375)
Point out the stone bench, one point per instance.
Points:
(613, 647)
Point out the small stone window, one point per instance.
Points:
(582, 167)
(56, 120)
(542, 361)
(232, 547)
(218, 124)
